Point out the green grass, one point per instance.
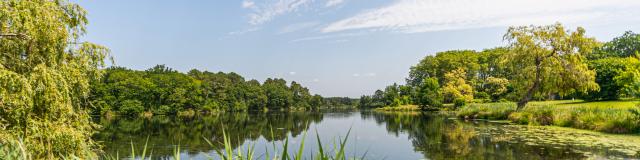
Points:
(606, 116)
(400, 108)
(492, 111)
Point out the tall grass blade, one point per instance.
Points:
(341, 154)
(301, 149)
(285, 155)
(320, 150)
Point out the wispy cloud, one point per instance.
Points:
(248, 4)
(331, 3)
(298, 26)
(370, 74)
(267, 12)
(434, 15)
(292, 73)
(241, 32)
(328, 36)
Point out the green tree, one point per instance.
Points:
(428, 94)
(442, 63)
(255, 96)
(316, 102)
(607, 69)
(45, 73)
(391, 95)
(456, 87)
(550, 59)
(278, 94)
(629, 79)
(120, 84)
(301, 95)
(496, 87)
(624, 46)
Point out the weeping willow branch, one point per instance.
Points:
(12, 35)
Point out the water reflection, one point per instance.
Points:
(438, 137)
(164, 132)
(412, 135)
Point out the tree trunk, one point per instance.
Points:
(536, 85)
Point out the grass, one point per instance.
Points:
(492, 111)
(13, 149)
(400, 108)
(606, 116)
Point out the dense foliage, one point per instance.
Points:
(45, 73)
(162, 90)
(539, 63)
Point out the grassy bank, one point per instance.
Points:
(446, 107)
(400, 108)
(607, 116)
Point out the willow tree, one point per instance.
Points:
(44, 78)
(550, 60)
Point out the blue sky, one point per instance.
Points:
(334, 47)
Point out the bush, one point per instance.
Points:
(534, 115)
(481, 101)
(481, 95)
(131, 107)
(495, 111)
(598, 118)
(459, 102)
(164, 110)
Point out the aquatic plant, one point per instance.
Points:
(227, 153)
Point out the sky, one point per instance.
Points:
(343, 48)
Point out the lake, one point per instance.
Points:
(374, 135)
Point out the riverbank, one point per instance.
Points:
(606, 116)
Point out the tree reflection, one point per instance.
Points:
(163, 131)
(438, 137)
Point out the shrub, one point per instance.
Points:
(459, 102)
(481, 95)
(493, 111)
(534, 115)
(131, 107)
(598, 118)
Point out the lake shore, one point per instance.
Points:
(604, 116)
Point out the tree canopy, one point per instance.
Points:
(539, 62)
(45, 75)
(162, 90)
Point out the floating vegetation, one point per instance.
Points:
(590, 144)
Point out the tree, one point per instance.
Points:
(607, 69)
(629, 79)
(437, 66)
(301, 95)
(255, 96)
(391, 93)
(429, 94)
(316, 101)
(456, 87)
(278, 94)
(551, 60)
(624, 46)
(496, 87)
(45, 72)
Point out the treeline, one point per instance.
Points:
(539, 63)
(162, 90)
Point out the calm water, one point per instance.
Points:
(390, 136)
